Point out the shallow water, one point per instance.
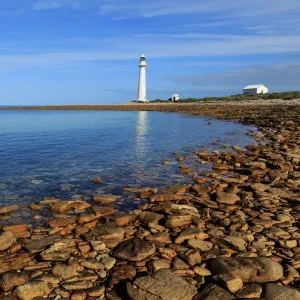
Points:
(56, 153)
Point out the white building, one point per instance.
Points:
(142, 80)
(255, 89)
(175, 97)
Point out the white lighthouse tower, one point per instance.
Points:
(142, 80)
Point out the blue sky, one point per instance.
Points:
(87, 51)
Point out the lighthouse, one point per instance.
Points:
(142, 80)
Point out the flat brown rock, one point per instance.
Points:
(163, 285)
(252, 270)
(11, 262)
(135, 249)
(165, 197)
(32, 290)
(41, 244)
(8, 209)
(6, 240)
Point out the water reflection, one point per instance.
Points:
(142, 127)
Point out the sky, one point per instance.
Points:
(87, 51)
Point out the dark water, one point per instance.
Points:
(56, 153)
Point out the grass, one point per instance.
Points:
(239, 97)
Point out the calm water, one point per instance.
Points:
(56, 153)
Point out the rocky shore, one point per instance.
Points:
(232, 234)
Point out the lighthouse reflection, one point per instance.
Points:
(141, 137)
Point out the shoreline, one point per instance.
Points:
(234, 234)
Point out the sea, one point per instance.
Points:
(56, 153)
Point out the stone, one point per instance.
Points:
(61, 207)
(231, 282)
(122, 273)
(16, 228)
(279, 292)
(135, 249)
(149, 217)
(108, 262)
(125, 219)
(98, 246)
(251, 270)
(202, 246)
(226, 198)
(213, 292)
(249, 291)
(12, 279)
(59, 251)
(158, 264)
(101, 211)
(178, 221)
(35, 207)
(15, 261)
(78, 285)
(232, 242)
(8, 209)
(96, 291)
(190, 233)
(96, 180)
(92, 263)
(61, 222)
(178, 189)
(179, 264)
(79, 295)
(32, 290)
(64, 271)
(110, 234)
(163, 285)
(201, 271)
(165, 197)
(6, 240)
(105, 199)
(41, 244)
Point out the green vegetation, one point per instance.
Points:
(239, 97)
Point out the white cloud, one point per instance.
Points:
(275, 76)
(55, 4)
(130, 48)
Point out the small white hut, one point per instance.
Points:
(255, 89)
(175, 97)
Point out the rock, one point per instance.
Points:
(135, 249)
(64, 271)
(213, 292)
(105, 199)
(59, 251)
(249, 291)
(96, 180)
(79, 295)
(98, 246)
(79, 205)
(62, 222)
(279, 292)
(178, 221)
(190, 233)
(165, 197)
(8, 209)
(178, 189)
(252, 270)
(227, 198)
(202, 246)
(61, 207)
(158, 264)
(201, 271)
(33, 289)
(149, 217)
(163, 285)
(231, 282)
(41, 244)
(35, 207)
(12, 279)
(122, 273)
(11, 262)
(96, 291)
(6, 240)
(125, 219)
(179, 264)
(78, 285)
(108, 262)
(16, 228)
(92, 263)
(101, 211)
(109, 233)
(235, 243)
